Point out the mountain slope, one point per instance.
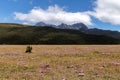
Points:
(12, 25)
(95, 31)
(50, 35)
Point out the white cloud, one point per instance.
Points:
(53, 15)
(25, 23)
(107, 11)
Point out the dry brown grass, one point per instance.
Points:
(60, 62)
(62, 48)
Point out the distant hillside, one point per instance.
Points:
(12, 25)
(95, 31)
(49, 35)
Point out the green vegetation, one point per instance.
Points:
(23, 34)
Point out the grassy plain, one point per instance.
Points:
(60, 62)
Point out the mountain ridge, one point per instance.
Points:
(83, 28)
(76, 26)
(50, 35)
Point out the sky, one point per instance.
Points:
(102, 14)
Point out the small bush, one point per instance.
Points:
(28, 49)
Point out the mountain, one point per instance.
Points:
(76, 26)
(63, 26)
(83, 28)
(80, 26)
(95, 31)
(44, 24)
(49, 35)
(41, 24)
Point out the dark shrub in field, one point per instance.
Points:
(28, 49)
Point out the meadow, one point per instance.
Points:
(60, 62)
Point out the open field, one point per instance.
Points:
(60, 62)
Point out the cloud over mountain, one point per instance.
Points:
(53, 15)
(104, 10)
